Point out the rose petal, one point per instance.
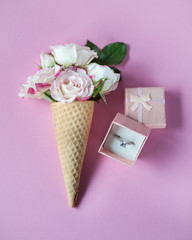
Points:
(104, 72)
(83, 99)
(31, 91)
(72, 85)
(57, 70)
(47, 60)
(42, 87)
(64, 55)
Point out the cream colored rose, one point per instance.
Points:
(72, 84)
(47, 60)
(72, 54)
(98, 71)
(39, 83)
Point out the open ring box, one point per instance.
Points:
(128, 130)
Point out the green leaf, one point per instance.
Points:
(97, 94)
(92, 46)
(39, 66)
(48, 93)
(97, 82)
(98, 97)
(101, 85)
(93, 99)
(103, 97)
(47, 96)
(113, 54)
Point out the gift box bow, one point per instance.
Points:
(137, 100)
(141, 100)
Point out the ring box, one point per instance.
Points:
(146, 105)
(128, 130)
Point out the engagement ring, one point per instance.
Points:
(123, 141)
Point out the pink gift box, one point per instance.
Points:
(146, 105)
(129, 131)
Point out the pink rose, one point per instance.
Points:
(39, 83)
(72, 84)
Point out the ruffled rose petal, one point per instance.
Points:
(64, 55)
(38, 83)
(83, 99)
(58, 69)
(72, 85)
(101, 72)
(84, 56)
(42, 87)
(72, 54)
(47, 60)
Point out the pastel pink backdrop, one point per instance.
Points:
(150, 201)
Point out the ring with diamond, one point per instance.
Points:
(124, 142)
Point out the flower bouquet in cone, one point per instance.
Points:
(73, 78)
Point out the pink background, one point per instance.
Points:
(153, 200)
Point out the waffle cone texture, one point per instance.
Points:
(72, 122)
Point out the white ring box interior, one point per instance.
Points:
(128, 130)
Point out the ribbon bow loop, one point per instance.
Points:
(143, 99)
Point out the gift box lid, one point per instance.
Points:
(131, 124)
(146, 105)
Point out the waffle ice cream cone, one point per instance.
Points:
(72, 123)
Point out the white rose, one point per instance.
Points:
(39, 83)
(98, 71)
(72, 84)
(84, 55)
(47, 60)
(72, 54)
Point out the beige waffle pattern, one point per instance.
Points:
(72, 123)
